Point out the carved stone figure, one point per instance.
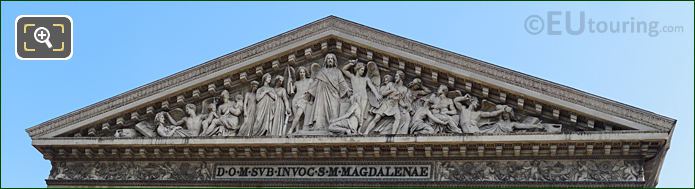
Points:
(374, 75)
(506, 124)
(203, 172)
(536, 170)
(328, 87)
(630, 171)
(265, 98)
(166, 129)
(361, 84)
(385, 104)
(94, 170)
(211, 118)
(167, 170)
(469, 116)
(419, 124)
(393, 105)
(193, 121)
(416, 93)
(58, 172)
(444, 109)
(229, 112)
(489, 171)
(299, 100)
(249, 110)
(347, 124)
(281, 111)
(582, 171)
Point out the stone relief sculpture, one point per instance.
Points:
(373, 75)
(542, 170)
(109, 170)
(59, 172)
(281, 110)
(322, 104)
(193, 121)
(203, 172)
(388, 106)
(265, 107)
(166, 129)
(393, 105)
(328, 87)
(300, 99)
(249, 110)
(416, 93)
(404, 105)
(585, 170)
(229, 112)
(348, 123)
(444, 109)
(422, 115)
(470, 115)
(211, 118)
(507, 125)
(361, 85)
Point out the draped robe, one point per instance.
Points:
(264, 112)
(328, 87)
(249, 114)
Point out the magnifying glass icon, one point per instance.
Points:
(42, 35)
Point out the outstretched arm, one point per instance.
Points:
(492, 113)
(458, 100)
(459, 105)
(461, 98)
(346, 69)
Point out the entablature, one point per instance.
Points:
(586, 145)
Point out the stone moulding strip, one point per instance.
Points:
(76, 141)
(367, 33)
(277, 183)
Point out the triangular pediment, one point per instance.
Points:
(532, 100)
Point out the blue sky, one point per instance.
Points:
(122, 45)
